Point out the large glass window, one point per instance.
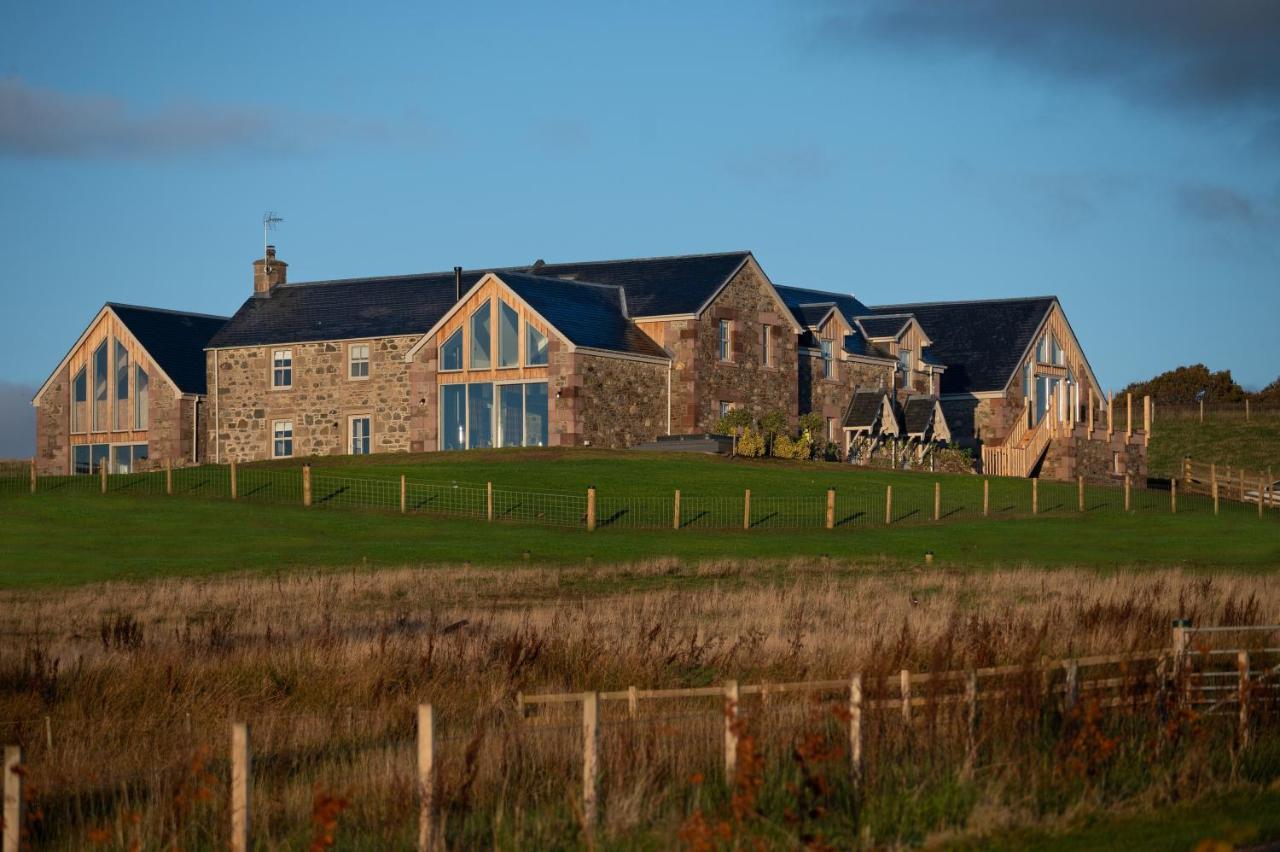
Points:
(121, 459)
(282, 439)
(358, 361)
(99, 455)
(80, 459)
(535, 414)
(451, 352)
(360, 436)
(535, 347)
(282, 368)
(453, 414)
(100, 387)
(80, 402)
(481, 345)
(722, 342)
(510, 415)
(828, 361)
(508, 336)
(479, 415)
(120, 411)
(1056, 351)
(141, 397)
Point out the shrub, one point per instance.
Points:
(750, 443)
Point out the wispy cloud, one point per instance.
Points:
(790, 163)
(17, 421)
(1220, 204)
(37, 121)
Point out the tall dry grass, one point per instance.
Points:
(136, 684)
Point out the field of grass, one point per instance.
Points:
(1224, 439)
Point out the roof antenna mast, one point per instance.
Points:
(269, 222)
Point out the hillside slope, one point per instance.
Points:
(1225, 441)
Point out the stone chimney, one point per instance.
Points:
(268, 273)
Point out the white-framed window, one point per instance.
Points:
(508, 335)
(361, 432)
(828, 360)
(904, 360)
(535, 347)
(358, 361)
(725, 407)
(831, 429)
(282, 368)
(766, 350)
(281, 439)
(451, 353)
(481, 342)
(723, 347)
(80, 401)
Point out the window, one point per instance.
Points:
(479, 415)
(535, 414)
(725, 408)
(481, 345)
(453, 414)
(904, 360)
(124, 457)
(1056, 352)
(360, 430)
(80, 459)
(510, 415)
(358, 360)
(141, 397)
(120, 410)
(828, 364)
(1026, 381)
(282, 439)
(535, 347)
(80, 402)
(831, 429)
(100, 387)
(451, 353)
(766, 356)
(724, 340)
(282, 368)
(99, 457)
(508, 336)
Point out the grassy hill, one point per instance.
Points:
(1222, 439)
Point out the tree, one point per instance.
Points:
(1182, 385)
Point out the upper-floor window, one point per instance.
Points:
(481, 345)
(535, 347)
(100, 375)
(358, 360)
(451, 352)
(904, 360)
(141, 396)
(120, 411)
(766, 351)
(1056, 352)
(79, 401)
(282, 439)
(723, 340)
(282, 368)
(1026, 381)
(828, 361)
(508, 335)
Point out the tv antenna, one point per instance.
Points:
(269, 222)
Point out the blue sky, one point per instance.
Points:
(1122, 156)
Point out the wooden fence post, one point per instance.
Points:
(241, 787)
(1242, 665)
(1146, 417)
(904, 680)
(675, 513)
(233, 479)
(937, 501)
(633, 702)
(1215, 496)
(1127, 486)
(730, 730)
(590, 758)
(102, 474)
(33, 474)
(168, 476)
(971, 722)
(591, 509)
(306, 485)
(831, 508)
(12, 798)
(986, 497)
(1262, 495)
(855, 728)
(1246, 410)
(1173, 496)
(404, 494)
(746, 509)
(488, 501)
(1080, 492)
(888, 505)
(1035, 495)
(426, 778)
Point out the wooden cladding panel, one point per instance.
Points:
(493, 292)
(108, 327)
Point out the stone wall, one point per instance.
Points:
(623, 402)
(831, 397)
(319, 402)
(703, 381)
(53, 427)
(1097, 457)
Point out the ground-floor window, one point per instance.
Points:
(360, 432)
(282, 439)
(482, 414)
(119, 458)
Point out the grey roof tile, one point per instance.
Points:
(174, 339)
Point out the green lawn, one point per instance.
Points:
(1222, 439)
(68, 538)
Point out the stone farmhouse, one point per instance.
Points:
(611, 353)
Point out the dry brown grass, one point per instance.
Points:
(139, 680)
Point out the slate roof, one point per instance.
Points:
(917, 414)
(864, 409)
(810, 316)
(656, 286)
(857, 344)
(980, 342)
(880, 327)
(589, 314)
(795, 297)
(175, 340)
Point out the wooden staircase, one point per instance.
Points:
(1025, 444)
